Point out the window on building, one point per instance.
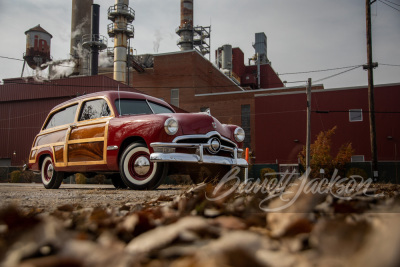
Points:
(357, 158)
(355, 115)
(94, 109)
(6, 162)
(175, 97)
(246, 125)
(61, 117)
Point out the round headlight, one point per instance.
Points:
(171, 126)
(239, 134)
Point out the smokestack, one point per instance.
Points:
(80, 23)
(94, 42)
(260, 47)
(121, 29)
(80, 26)
(185, 30)
(94, 55)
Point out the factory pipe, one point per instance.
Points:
(94, 55)
(185, 30)
(121, 29)
(80, 25)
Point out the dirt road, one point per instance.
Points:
(36, 196)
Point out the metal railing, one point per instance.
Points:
(121, 27)
(121, 10)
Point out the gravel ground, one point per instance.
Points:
(198, 225)
(28, 196)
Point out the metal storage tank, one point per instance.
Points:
(38, 43)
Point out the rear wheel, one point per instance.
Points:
(137, 171)
(51, 178)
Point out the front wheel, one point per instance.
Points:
(51, 178)
(117, 181)
(137, 171)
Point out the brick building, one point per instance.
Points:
(273, 117)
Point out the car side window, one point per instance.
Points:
(61, 117)
(94, 109)
(132, 107)
(157, 108)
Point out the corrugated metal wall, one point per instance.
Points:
(25, 105)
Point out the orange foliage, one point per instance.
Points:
(321, 155)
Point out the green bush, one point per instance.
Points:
(80, 178)
(15, 177)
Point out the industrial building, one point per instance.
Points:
(251, 95)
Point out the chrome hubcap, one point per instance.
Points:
(50, 171)
(142, 165)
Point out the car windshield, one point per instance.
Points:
(139, 106)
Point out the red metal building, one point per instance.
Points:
(281, 122)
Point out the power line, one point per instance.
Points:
(340, 73)
(346, 111)
(392, 65)
(392, 2)
(311, 71)
(12, 58)
(389, 5)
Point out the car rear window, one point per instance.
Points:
(61, 117)
(94, 109)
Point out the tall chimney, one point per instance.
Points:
(121, 29)
(185, 30)
(80, 25)
(94, 42)
(94, 53)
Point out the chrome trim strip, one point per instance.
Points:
(191, 158)
(192, 145)
(206, 136)
(199, 157)
(112, 148)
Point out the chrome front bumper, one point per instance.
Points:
(164, 152)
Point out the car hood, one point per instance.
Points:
(200, 123)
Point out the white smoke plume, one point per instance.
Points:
(105, 61)
(80, 51)
(79, 28)
(38, 76)
(61, 69)
(157, 41)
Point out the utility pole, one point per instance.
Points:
(370, 66)
(308, 141)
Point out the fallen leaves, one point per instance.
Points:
(192, 230)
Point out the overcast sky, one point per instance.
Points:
(303, 35)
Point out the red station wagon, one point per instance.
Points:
(134, 139)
